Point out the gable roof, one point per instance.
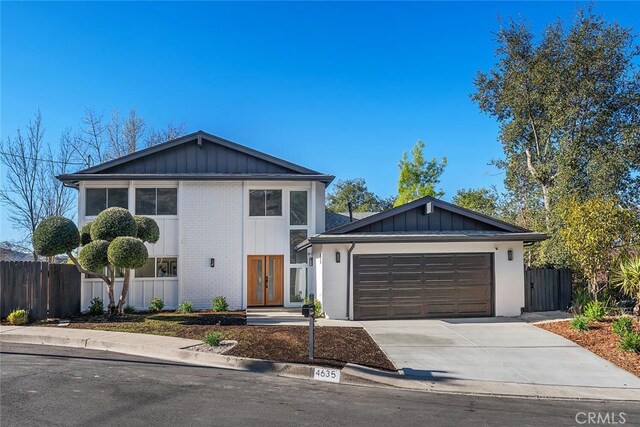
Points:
(425, 220)
(199, 155)
(427, 214)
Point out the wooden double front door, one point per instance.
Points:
(265, 280)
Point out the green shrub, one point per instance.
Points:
(55, 235)
(185, 307)
(127, 252)
(219, 304)
(594, 311)
(212, 338)
(129, 309)
(85, 233)
(156, 304)
(148, 230)
(580, 299)
(96, 307)
(93, 255)
(630, 341)
(622, 325)
(18, 317)
(580, 323)
(112, 223)
(317, 306)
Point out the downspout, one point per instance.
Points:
(353, 245)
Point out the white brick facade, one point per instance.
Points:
(211, 217)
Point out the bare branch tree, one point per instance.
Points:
(133, 131)
(57, 200)
(89, 145)
(171, 131)
(22, 157)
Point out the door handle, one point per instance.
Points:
(266, 282)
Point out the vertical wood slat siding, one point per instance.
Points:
(547, 289)
(45, 290)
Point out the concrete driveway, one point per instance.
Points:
(492, 349)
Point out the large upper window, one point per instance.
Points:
(98, 199)
(298, 209)
(156, 201)
(265, 203)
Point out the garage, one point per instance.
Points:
(401, 286)
(425, 259)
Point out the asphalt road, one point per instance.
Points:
(55, 386)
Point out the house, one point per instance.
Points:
(242, 224)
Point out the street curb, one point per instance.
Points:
(168, 354)
(365, 376)
(351, 374)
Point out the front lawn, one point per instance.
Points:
(601, 340)
(334, 345)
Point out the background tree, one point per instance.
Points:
(171, 131)
(482, 200)
(596, 233)
(115, 239)
(29, 188)
(568, 105)
(418, 177)
(356, 192)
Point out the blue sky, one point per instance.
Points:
(342, 88)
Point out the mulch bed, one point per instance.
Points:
(335, 346)
(600, 340)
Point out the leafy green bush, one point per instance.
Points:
(630, 341)
(594, 311)
(317, 306)
(113, 222)
(185, 307)
(96, 307)
(156, 304)
(85, 233)
(219, 304)
(622, 325)
(55, 235)
(148, 230)
(580, 299)
(580, 323)
(127, 252)
(93, 255)
(18, 317)
(129, 309)
(212, 338)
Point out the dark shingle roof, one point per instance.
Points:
(338, 219)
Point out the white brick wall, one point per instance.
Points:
(210, 217)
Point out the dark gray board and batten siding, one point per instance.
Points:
(191, 158)
(415, 220)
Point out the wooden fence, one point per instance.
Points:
(547, 289)
(45, 290)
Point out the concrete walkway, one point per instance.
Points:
(501, 350)
(291, 317)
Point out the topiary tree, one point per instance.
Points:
(115, 239)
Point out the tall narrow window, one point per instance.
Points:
(295, 238)
(298, 208)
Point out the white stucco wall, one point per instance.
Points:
(332, 280)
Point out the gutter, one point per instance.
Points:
(353, 245)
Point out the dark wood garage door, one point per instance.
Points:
(403, 286)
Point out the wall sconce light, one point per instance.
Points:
(213, 262)
(510, 255)
(310, 261)
(338, 257)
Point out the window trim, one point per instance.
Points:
(106, 188)
(282, 195)
(156, 188)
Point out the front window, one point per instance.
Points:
(295, 238)
(156, 201)
(298, 209)
(298, 284)
(159, 267)
(265, 203)
(98, 199)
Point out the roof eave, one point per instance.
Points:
(346, 238)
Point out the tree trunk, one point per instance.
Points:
(125, 291)
(112, 299)
(547, 205)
